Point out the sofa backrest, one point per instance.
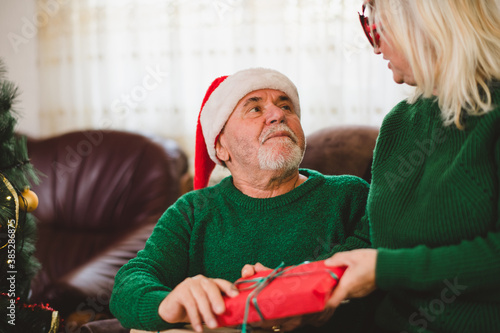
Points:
(338, 150)
(96, 188)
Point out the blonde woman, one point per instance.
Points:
(434, 204)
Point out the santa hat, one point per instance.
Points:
(220, 100)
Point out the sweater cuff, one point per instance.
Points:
(148, 309)
(395, 269)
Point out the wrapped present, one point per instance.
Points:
(280, 293)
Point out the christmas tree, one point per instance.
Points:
(18, 265)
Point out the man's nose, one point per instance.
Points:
(275, 115)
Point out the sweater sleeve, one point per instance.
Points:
(142, 284)
(355, 220)
(470, 267)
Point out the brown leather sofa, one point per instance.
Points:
(334, 150)
(101, 193)
(338, 150)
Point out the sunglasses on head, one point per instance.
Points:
(370, 30)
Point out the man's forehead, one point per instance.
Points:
(257, 95)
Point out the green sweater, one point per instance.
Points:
(434, 213)
(217, 230)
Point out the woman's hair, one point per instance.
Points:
(452, 46)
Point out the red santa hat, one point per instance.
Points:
(220, 100)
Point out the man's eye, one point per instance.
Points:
(286, 107)
(255, 109)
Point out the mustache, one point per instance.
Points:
(278, 128)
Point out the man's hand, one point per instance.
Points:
(358, 279)
(196, 300)
(249, 270)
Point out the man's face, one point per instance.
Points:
(263, 132)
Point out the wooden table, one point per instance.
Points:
(188, 329)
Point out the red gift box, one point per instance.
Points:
(280, 293)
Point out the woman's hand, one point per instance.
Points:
(358, 279)
(196, 300)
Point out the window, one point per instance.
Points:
(144, 65)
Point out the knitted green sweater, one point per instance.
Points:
(434, 214)
(217, 230)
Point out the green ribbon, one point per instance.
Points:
(262, 282)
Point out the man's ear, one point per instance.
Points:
(221, 151)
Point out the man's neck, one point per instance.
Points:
(267, 183)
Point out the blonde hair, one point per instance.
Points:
(452, 46)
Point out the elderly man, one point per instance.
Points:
(267, 211)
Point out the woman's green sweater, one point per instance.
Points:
(434, 213)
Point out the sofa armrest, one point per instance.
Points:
(85, 294)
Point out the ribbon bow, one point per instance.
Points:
(261, 282)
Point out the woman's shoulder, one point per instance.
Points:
(411, 111)
(490, 120)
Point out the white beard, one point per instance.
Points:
(284, 154)
(276, 158)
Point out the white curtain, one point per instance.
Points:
(144, 65)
